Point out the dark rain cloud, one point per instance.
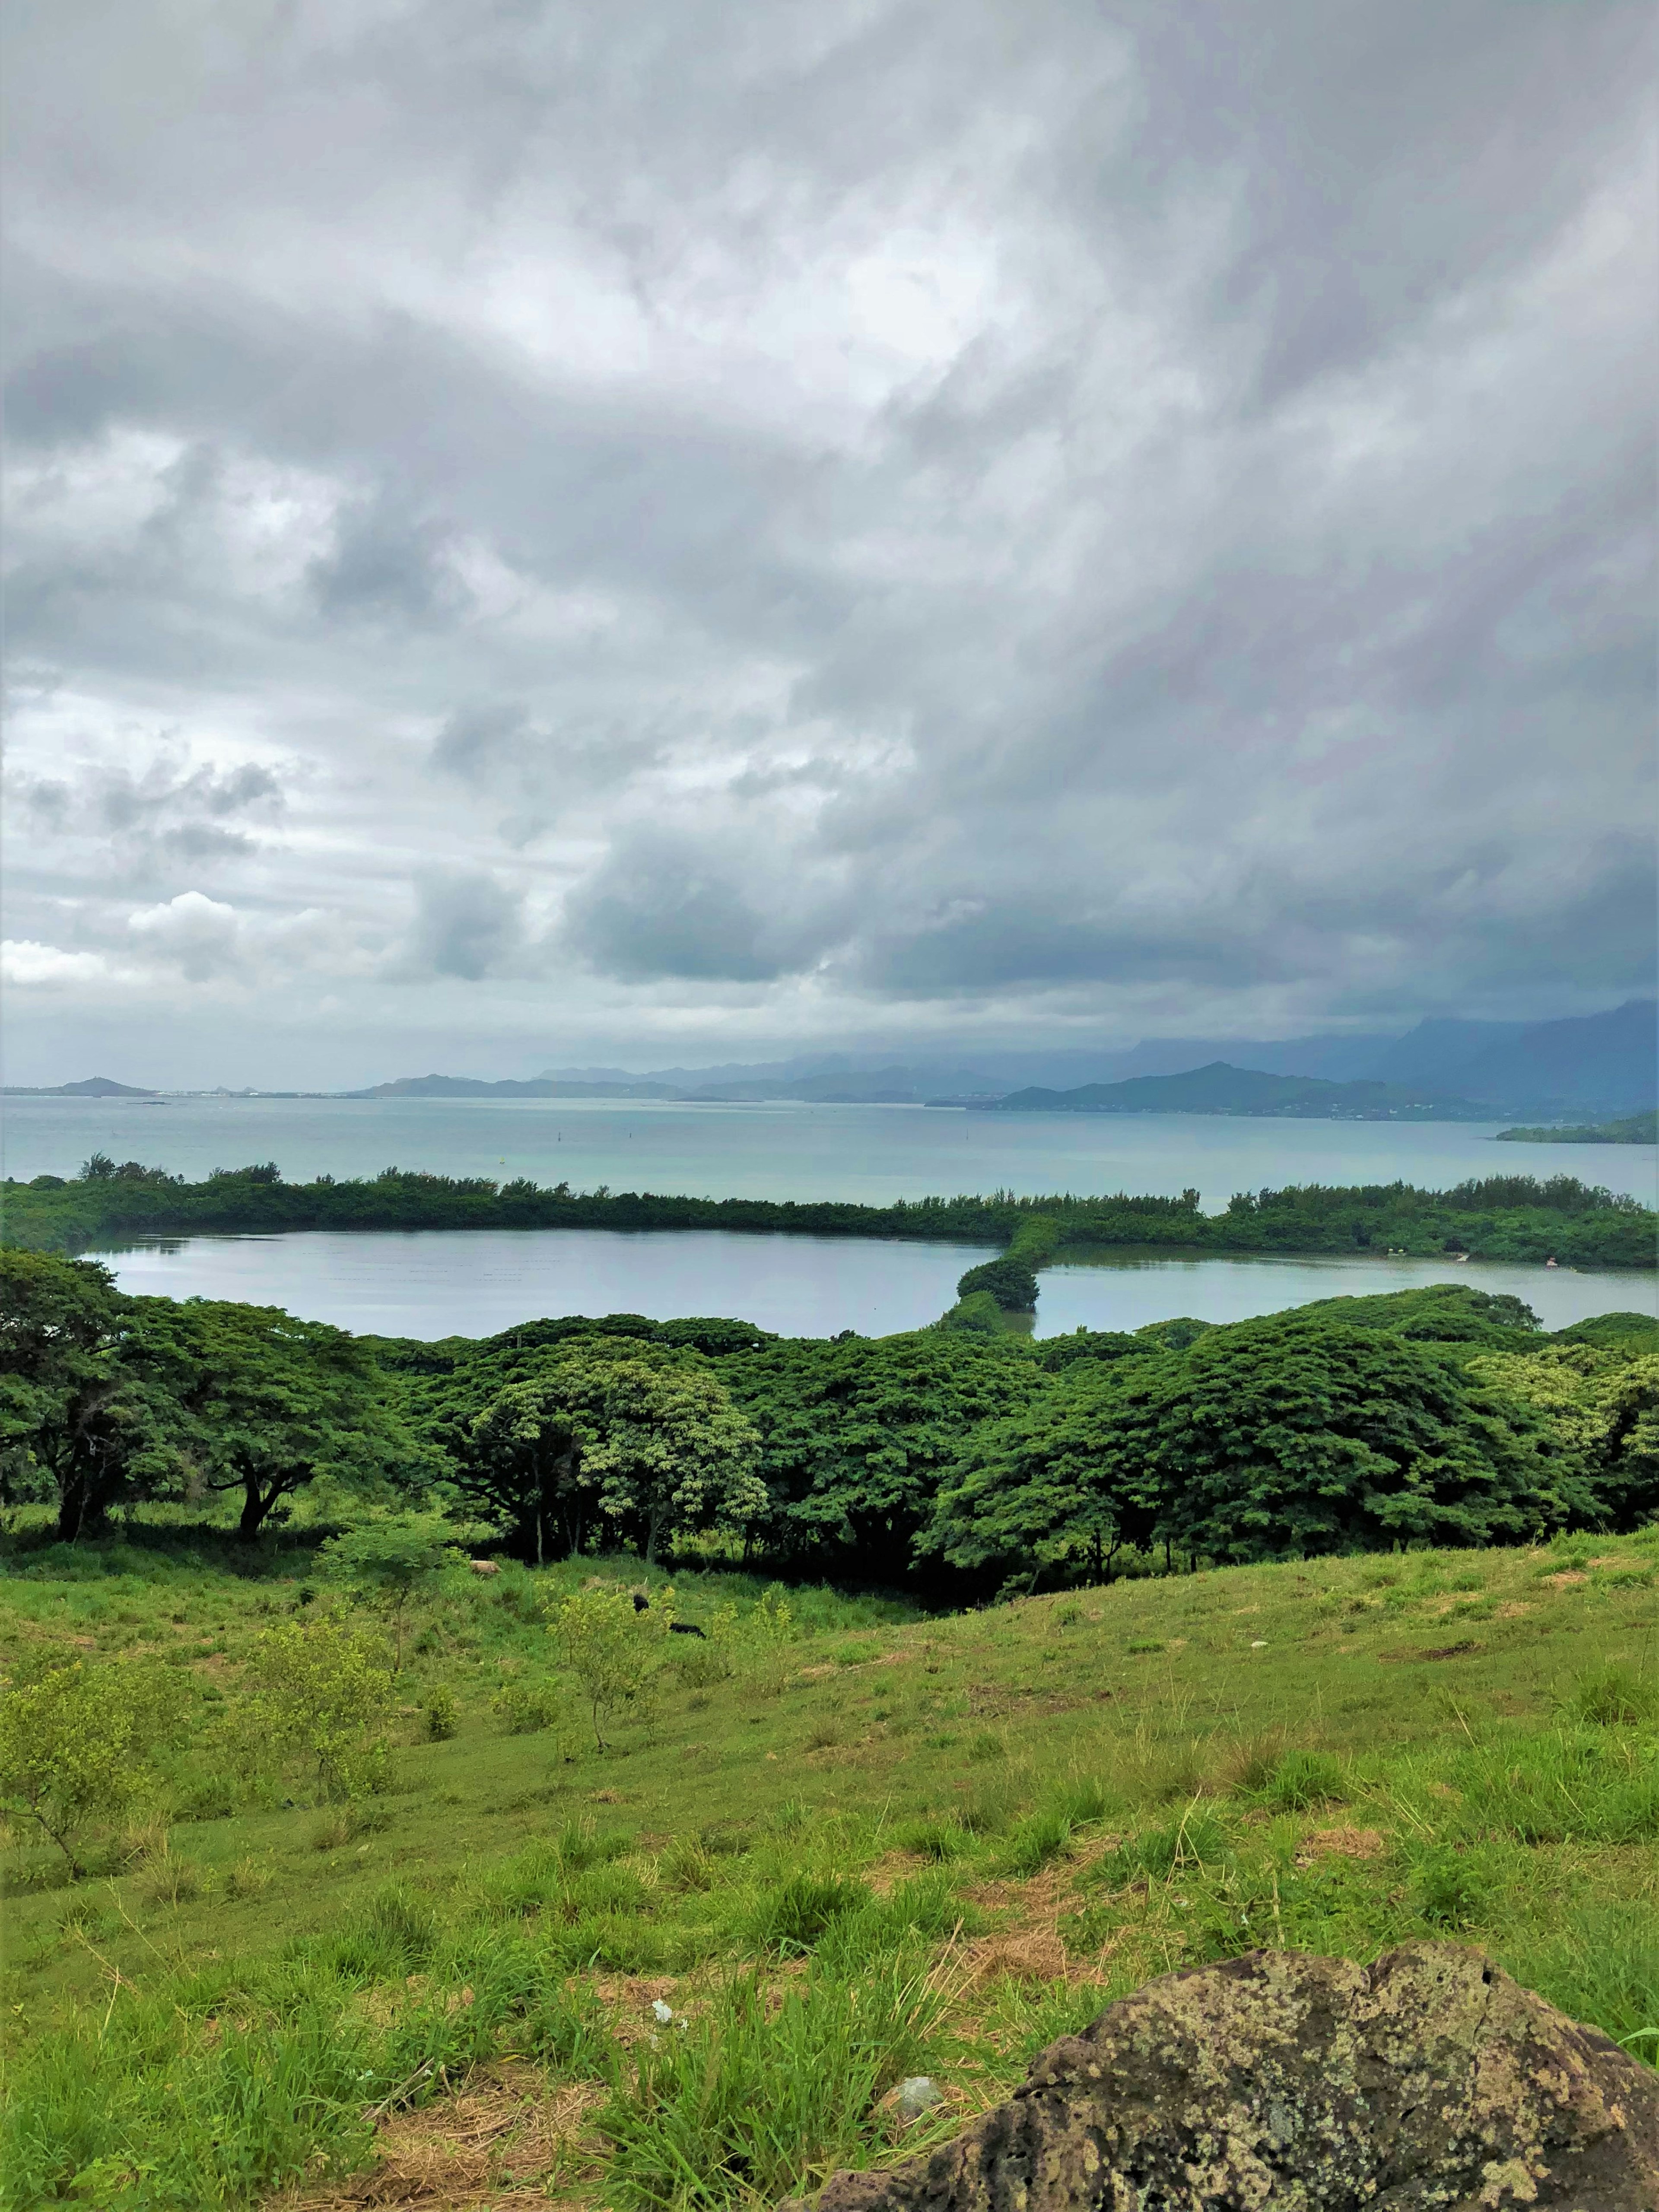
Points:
(1107, 507)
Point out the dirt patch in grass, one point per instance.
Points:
(505, 2132)
(1340, 1844)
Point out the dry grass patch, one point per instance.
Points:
(1340, 1844)
(507, 2131)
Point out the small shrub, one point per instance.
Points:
(943, 1838)
(77, 1741)
(321, 1690)
(611, 1649)
(248, 1878)
(1198, 1838)
(791, 1919)
(1451, 1888)
(526, 1707)
(169, 1880)
(440, 1708)
(1610, 1696)
(1302, 1780)
(754, 1645)
(687, 1865)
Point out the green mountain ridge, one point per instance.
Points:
(1220, 1088)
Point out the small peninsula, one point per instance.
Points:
(1633, 1129)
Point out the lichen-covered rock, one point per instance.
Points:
(1281, 2082)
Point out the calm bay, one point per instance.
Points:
(439, 1283)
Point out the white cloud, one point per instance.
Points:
(27, 965)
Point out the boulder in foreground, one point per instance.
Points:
(1427, 2082)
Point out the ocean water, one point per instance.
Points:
(441, 1282)
(777, 1150)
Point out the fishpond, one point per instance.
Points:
(441, 1283)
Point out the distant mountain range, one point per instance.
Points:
(1604, 1063)
(95, 1086)
(1587, 1067)
(1220, 1089)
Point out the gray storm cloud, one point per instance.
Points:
(1041, 520)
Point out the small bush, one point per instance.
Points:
(1451, 1888)
(440, 1709)
(1610, 1696)
(248, 1878)
(523, 1708)
(1302, 1780)
(790, 1920)
(1198, 1838)
(169, 1880)
(942, 1839)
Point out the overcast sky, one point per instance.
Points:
(670, 528)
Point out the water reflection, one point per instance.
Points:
(441, 1283)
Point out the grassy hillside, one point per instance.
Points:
(888, 1844)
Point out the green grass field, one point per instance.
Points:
(910, 1845)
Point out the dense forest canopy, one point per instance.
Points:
(1520, 1217)
(942, 1457)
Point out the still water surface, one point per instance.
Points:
(777, 1150)
(472, 1282)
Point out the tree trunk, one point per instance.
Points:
(255, 1506)
(71, 1508)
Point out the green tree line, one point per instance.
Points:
(939, 1458)
(1495, 1216)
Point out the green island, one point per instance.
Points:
(601, 1762)
(1634, 1129)
(1496, 1218)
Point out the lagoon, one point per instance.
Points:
(437, 1283)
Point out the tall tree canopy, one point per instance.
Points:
(1294, 1435)
(856, 1434)
(603, 1434)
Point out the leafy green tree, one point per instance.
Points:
(649, 1446)
(523, 1467)
(1285, 1437)
(320, 1690)
(612, 1649)
(80, 1420)
(674, 1454)
(274, 1402)
(1602, 1408)
(856, 1435)
(388, 1560)
(77, 1744)
(1010, 1282)
(1039, 1492)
